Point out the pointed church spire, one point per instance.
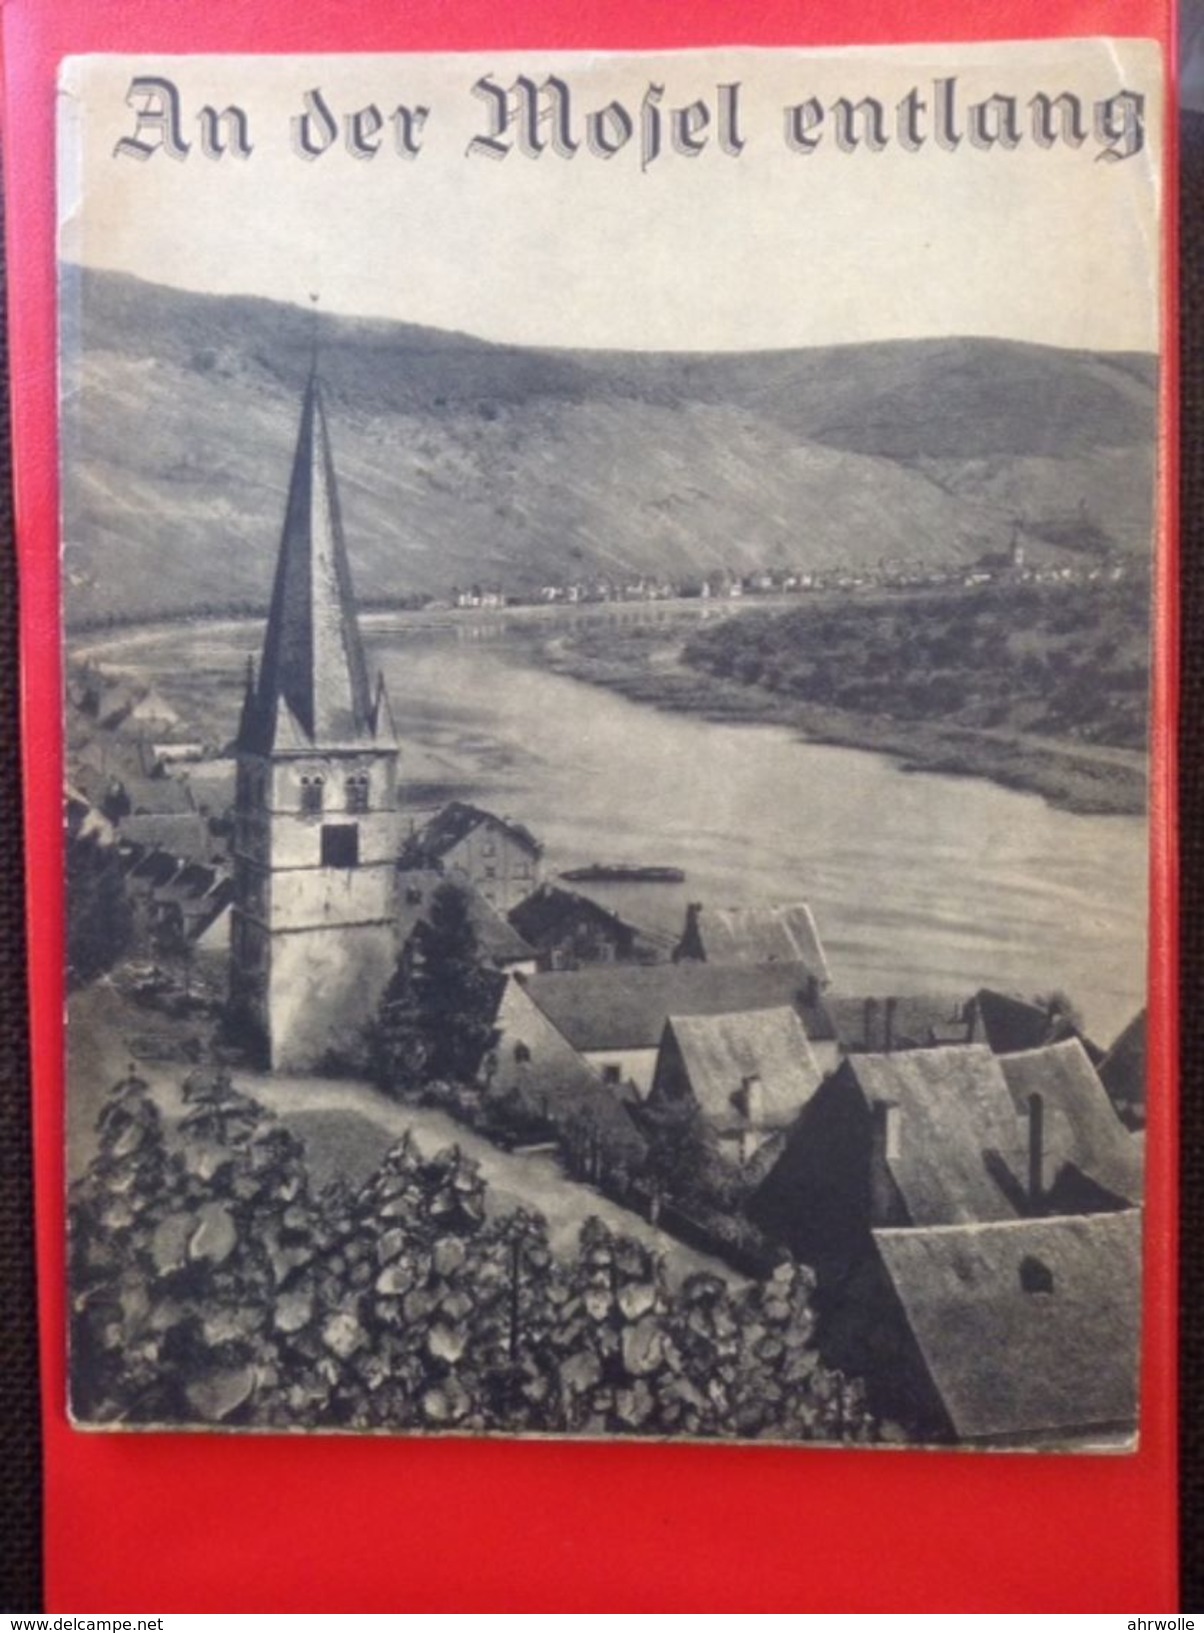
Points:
(313, 667)
(246, 720)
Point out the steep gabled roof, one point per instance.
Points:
(184, 834)
(1079, 1125)
(546, 910)
(721, 1052)
(212, 906)
(757, 935)
(313, 688)
(533, 1059)
(153, 867)
(193, 881)
(455, 822)
(1028, 1327)
(497, 940)
(625, 1006)
(953, 1110)
(1010, 1023)
(1122, 1069)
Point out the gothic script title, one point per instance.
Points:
(546, 119)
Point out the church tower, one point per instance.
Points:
(316, 826)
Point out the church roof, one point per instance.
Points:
(313, 688)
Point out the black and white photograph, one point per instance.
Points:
(607, 613)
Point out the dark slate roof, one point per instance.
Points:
(761, 935)
(183, 834)
(1008, 1362)
(1122, 1069)
(1080, 1125)
(720, 1051)
(1010, 1023)
(85, 821)
(625, 1006)
(313, 685)
(156, 796)
(154, 867)
(497, 938)
(914, 1022)
(453, 823)
(193, 881)
(551, 1078)
(546, 909)
(213, 906)
(953, 1108)
(498, 941)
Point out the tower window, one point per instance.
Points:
(311, 794)
(357, 792)
(340, 845)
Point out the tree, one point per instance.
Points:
(1065, 1017)
(436, 1016)
(682, 1153)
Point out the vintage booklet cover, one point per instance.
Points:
(610, 603)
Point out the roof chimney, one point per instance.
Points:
(1036, 1151)
(888, 1041)
(752, 1097)
(888, 1126)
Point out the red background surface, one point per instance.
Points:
(146, 1523)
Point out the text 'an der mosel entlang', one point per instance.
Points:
(548, 119)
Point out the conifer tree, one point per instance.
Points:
(436, 1016)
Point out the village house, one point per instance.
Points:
(568, 930)
(615, 1015)
(197, 894)
(1122, 1072)
(498, 857)
(945, 1136)
(173, 899)
(748, 1074)
(180, 833)
(1086, 1160)
(1004, 1333)
(532, 1067)
(1007, 1023)
(919, 1137)
(753, 935)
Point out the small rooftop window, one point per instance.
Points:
(1035, 1275)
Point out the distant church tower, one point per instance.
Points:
(316, 825)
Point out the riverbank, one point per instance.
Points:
(645, 666)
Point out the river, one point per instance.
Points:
(920, 883)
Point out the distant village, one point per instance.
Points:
(961, 1172)
(728, 584)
